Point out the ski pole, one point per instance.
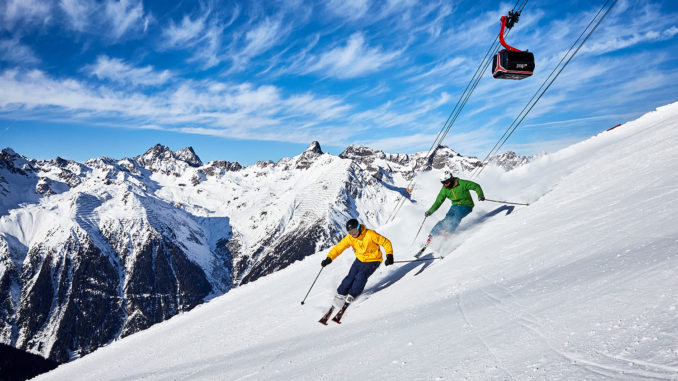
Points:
(418, 260)
(309, 290)
(418, 231)
(506, 202)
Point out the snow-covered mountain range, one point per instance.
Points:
(91, 252)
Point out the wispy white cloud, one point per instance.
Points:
(408, 116)
(124, 15)
(325, 108)
(440, 71)
(79, 13)
(186, 34)
(476, 31)
(208, 52)
(113, 20)
(381, 88)
(262, 37)
(296, 62)
(630, 23)
(12, 51)
(354, 59)
(349, 9)
(625, 41)
(32, 12)
(202, 34)
(567, 122)
(116, 70)
(390, 7)
(435, 27)
(257, 40)
(235, 110)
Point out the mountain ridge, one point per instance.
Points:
(162, 232)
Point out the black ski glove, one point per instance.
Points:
(427, 213)
(389, 260)
(481, 198)
(326, 261)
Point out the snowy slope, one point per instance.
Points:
(579, 285)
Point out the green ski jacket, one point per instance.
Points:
(459, 194)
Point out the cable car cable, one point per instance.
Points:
(518, 120)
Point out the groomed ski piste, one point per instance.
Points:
(580, 285)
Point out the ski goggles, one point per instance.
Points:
(354, 232)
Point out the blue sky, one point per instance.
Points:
(259, 80)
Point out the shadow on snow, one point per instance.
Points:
(406, 268)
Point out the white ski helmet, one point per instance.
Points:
(446, 176)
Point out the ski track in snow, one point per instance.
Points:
(476, 333)
(533, 326)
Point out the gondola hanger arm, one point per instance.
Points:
(504, 19)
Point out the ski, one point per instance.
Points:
(337, 317)
(327, 315)
(421, 251)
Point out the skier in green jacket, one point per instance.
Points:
(457, 190)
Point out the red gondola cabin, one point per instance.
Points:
(511, 63)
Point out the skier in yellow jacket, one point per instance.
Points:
(365, 243)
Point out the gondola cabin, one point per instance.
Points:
(511, 63)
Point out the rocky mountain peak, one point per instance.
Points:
(60, 162)
(219, 167)
(306, 159)
(189, 156)
(161, 158)
(509, 160)
(440, 157)
(358, 152)
(8, 152)
(6, 157)
(445, 151)
(14, 162)
(158, 151)
(314, 148)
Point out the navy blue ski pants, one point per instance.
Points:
(355, 281)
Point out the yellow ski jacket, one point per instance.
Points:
(365, 246)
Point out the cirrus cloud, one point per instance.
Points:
(116, 70)
(354, 59)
